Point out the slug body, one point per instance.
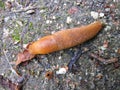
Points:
(61, 40)
(64, 39)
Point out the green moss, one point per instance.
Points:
(26, 39)
(16, 35)
(30, 25)
(2, 4)
(4, 45)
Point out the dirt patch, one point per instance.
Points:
(22, 22)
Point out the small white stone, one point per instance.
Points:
(30, 11)
(13, 71)
(80, 78)
(11, 0)
(52, 32)
(5, 32)
(94, 14)
(61, 71)
(55, 1)
(23, 70)
(103, 48)
(101, 15)
(107, 9)
(69, 20)
(107, 28)
(86, 73)
(20, 23)
(64, 4)
(2, 74)
(48, 21)
(25, 45)
(59, 57)
(54, 17)
(115, 0)
(6, 19)
(61, 25)
(41, 11)
(78, 22)
(93, 74)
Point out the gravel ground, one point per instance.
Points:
(24, 21)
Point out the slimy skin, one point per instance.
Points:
(60, 40)
(65, 39)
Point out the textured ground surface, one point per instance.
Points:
(18, 27)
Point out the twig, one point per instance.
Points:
(11, 68)
(104, 61)
(76, 57)
(25, 29)
(8, 84)
(24, 9)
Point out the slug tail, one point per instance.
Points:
(24, 56)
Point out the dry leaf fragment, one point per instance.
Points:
(9, 85)
(24, 56)
(104, 61)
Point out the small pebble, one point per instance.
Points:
(105, 44)
(52, 32)
(80, 78)
(101, 15)
(2, 74)
(25, 45)
(59, 57)
(20, 80)
(6, 19)
(48, 21)
(53, 17)
(69, 20)
(92, 74)
(107, 9)
(99, 76)
(107, 28)
(23, 70)
(61, 71)
(64, 4)
(72, 10)
(102, 48)
(5, 32)
(30, 11)
(20, 23)
(41, 11)
(78, 22)
(56, 1)
(94, 14)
